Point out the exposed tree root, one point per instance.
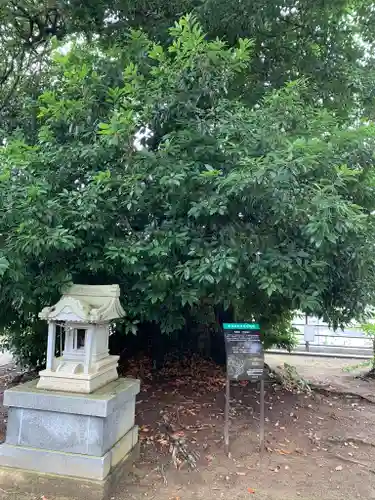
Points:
(354, 440)
(327, 391)
(288, 377)
(353, 461)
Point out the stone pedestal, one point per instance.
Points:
(70, 434)
(19, 482)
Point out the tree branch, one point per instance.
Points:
(6, 75)
(15, 83)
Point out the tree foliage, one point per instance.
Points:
(330, 44)
(146, 171)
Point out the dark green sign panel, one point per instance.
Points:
(241, 326)
(245, 356)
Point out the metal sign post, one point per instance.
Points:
(245, 361)
(261, 417)
(226, 416)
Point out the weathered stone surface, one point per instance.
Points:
(71, 432)
(68, 432)
(55, 462)
(57, 431)
(14, 482)
(122, 448)
(67, 464)
(117, 423)
(100, 403)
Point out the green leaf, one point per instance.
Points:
(4, 264)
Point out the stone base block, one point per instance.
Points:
(54, 421)
(100, 403)
(69, 434)
(85, 383)
(68, 464)
(16, 481)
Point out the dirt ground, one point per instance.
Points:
(333, 374)
(316, 445)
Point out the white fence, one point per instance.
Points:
(316, 337)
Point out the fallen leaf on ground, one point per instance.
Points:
(163, 442)
(283, 452)
(178, 434)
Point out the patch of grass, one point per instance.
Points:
(352, 368)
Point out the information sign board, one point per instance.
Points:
(245, 355)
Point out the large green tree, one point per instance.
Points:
(148, 173)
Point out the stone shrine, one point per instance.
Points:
(78, 419)
(84, 313)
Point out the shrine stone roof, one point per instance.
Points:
(86, 304)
